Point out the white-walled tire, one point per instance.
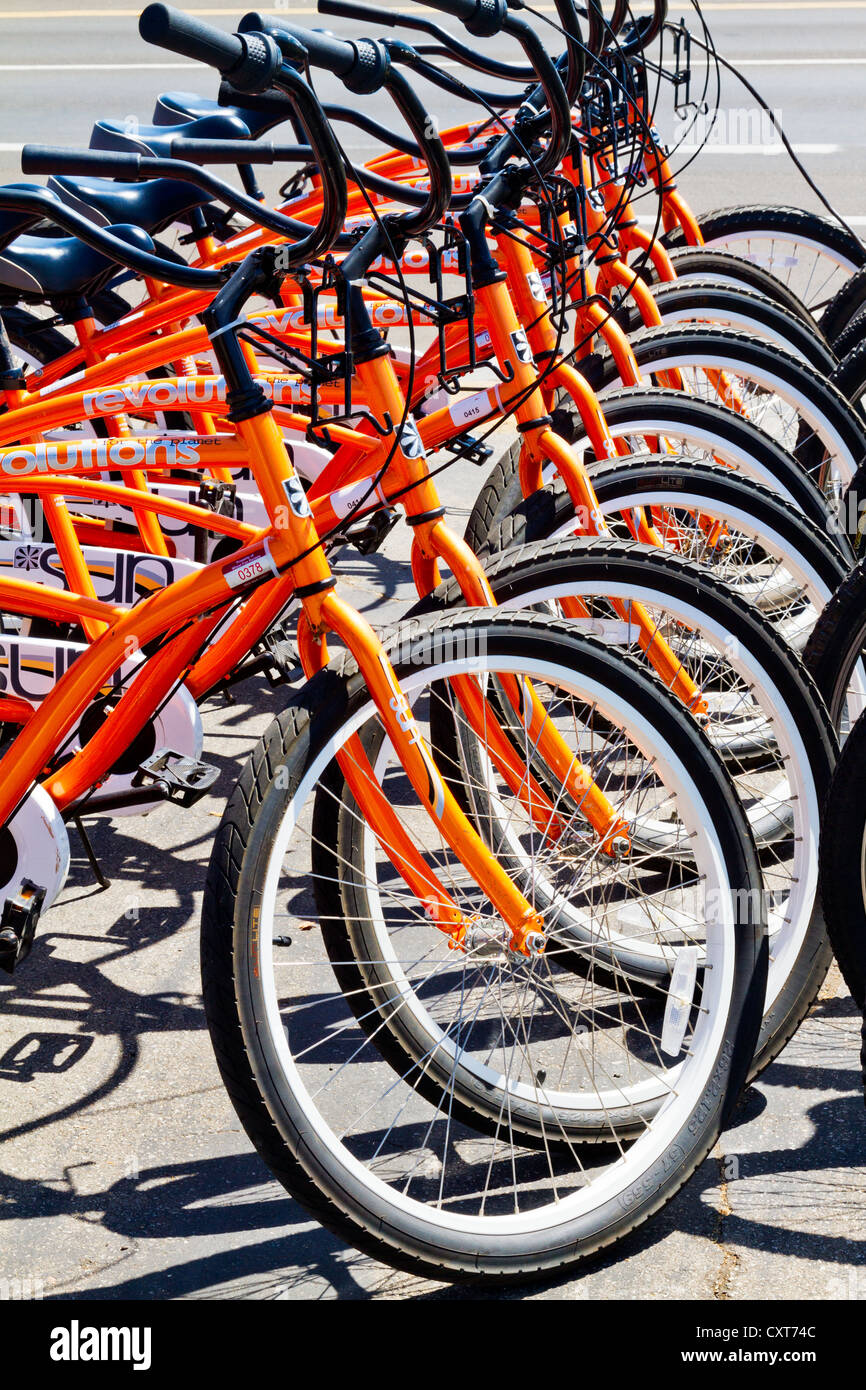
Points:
(364, 1148)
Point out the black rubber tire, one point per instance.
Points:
(849, 376)
(723, 223)
(501, 493)
(743, 354)
(291, 1146)
(851, 337)
(725, 267)
(841, 862)
(845, 306)
(546, 513)
(520, 567)
(838, 641)
(743, 310)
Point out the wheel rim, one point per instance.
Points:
(808, 268)
(450, 1209)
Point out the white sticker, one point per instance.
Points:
(472, 408)
(294, 490)
(347, 500)
(536, 288)
(522, 350)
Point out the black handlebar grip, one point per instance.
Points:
(251, 61)
(482, 18)
(324, 50)
(361, 64)
(169, 28)
(46, 159)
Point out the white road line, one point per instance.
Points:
(124, 67)
(795, 62)
(95, 67)
(852, 221)
(639, 7)
(758, 149)
(441, 63)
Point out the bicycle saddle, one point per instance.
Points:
(61, 266)
(156, 139)
(174, 107)
(151, 205)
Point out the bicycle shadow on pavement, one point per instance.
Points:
(220, 1198)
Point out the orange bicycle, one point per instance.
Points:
(379, 800)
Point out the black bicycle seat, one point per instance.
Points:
(173, 107)
(123, 136)
(152, 205)
(61, 266)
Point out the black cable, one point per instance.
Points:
(625, 195)
(732, 68)
(513, 405)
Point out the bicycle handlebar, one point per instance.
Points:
(43, 204)
(251, 61)
(44, 159)
(256, 61)
(361, 64)
(479, 16)
(392, 19)
(643, 31)
(367, 66)
(183, 148)
(266, 152)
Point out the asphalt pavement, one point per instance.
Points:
(123, 1170)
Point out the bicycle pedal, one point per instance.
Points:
(284, 667)
(217, 497)
(367, 536)
(182, 780)
(466, 446)
(18, 924)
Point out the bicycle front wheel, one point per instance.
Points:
(433, 1106)
(809, 253)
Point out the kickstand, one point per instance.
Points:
(91, 857)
